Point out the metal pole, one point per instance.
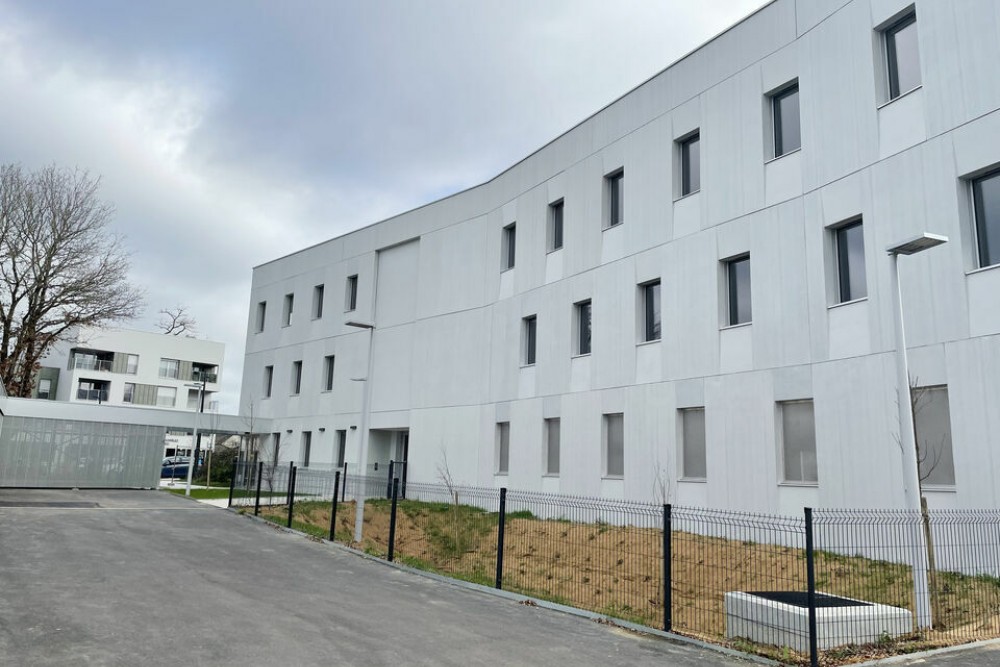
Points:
(392, 519)
(908, 446)
(500, 535)
(811, 589)
(194, 436)
(343, 490)
(668, 602)
(388, 484)
(288, 484)
(260, 476)
(333, 508)
(359, 498)
(291, 495)
(232, 483)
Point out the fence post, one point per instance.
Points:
(291, 494)
(232, 483)
(392, 518)
(500, 531)
(288, 485)
(343, 492)
(260, 476)
(668, 554)
(333, 508)
(811, 589)
(388, 482)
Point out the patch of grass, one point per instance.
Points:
(214, 493)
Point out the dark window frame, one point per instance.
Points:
(583, 312)
(690, 186)
(987, 255)
(778, 122)
(616, 198)
(844, 265)
(329, 364)
(530, 332)
(733, 289)
(652, 311)
(557, 212)
(892, 54)
(352, 293)
(508, 247)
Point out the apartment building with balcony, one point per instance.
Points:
(120, 367)
(687, 296)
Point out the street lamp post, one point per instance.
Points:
(194, 435)
(366, 397)
(907, 436)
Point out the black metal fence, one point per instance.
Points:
(832, 583)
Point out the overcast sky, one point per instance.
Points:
(230, 133)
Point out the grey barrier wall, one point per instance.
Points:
(42, 452)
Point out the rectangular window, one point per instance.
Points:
(341, 448)
(850, 242)
(582, 327)
(798, 441)
(306, 453)
(296, 377)
(785, 114)
(132, 364)
(552, 446)
(166, 397)
(529, 329)
(932, 425)
(986, 201)
(170, 368)
(650, 311)
(555, 225)
(691, 164)
(318, 301)
(129, 395)
(738, 290)
(192, 400)
(261, 315)
(351, 300)
(614, 445)
(286, 315)
(616, 198)
(508, 247)
(45, 389)
(268, 380)
(693, 460)
(902, 56)
(328, 364)
(503, 447)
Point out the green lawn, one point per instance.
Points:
(213, 493)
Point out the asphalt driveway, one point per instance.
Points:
(146, 578)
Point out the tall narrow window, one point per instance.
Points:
(192, 401)
(328, 363)
(529, 328)
(614, 445)
(132, 364)
(286, 315)
(261, 315)
(902, 55)
(693, 460)
(318, 293)
(798, 441)
(268, 380)
(691, 164)
(986, 198)
(306, 452)
(341, 448)
(45, 389)
(616, 198)
(738, 290)
(170, 368)
(508, 247)
(555, 225)
(785, 114)
(351, 300)
(850, 241)
(552, 446)
(650, 311)
(296, 377)
(503, 447)
(932, 425)
(129, 395)
(582, 327)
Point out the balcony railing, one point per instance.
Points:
(203, 376)
(99, 395)
(92, 364)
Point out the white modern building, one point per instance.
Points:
(120, 367)
(687, 296)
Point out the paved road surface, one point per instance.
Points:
(151, 579)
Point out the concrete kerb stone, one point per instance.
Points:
(934, 652)
(520, 598)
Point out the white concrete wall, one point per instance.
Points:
(448, 340)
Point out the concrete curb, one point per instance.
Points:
(519, 598)
(930, 653)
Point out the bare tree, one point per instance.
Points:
(177, 321)
(61, 267)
